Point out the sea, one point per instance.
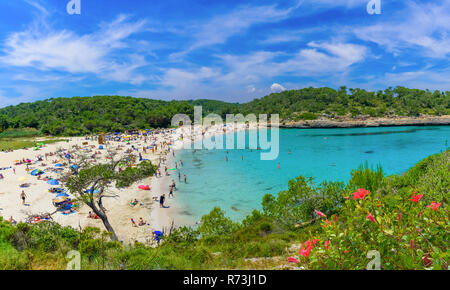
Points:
(237, 179)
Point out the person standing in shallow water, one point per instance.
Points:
(161, 200)
(185, 178)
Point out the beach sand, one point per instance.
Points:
(119, 210)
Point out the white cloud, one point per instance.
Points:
(277, 88)
(220, 28)
(424, 26)
(67, 51)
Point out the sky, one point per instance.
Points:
(227, 50)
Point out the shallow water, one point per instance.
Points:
(237, 186)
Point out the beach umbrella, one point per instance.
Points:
(60, 199)
(58, 165)
(144, 187)
(53, 182)
(62, 195)
(37, 172)
(74, 166)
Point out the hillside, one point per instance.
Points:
(82, 115)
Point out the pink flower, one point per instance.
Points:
(360, 193)
(434, 205)
(306, 248)
(319, 213)
(411, 244)
(327, 243)
(370, 217)
(399, 217)
(305, 252)
(293, 260)
(416, 198)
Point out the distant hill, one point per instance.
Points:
(83, 115)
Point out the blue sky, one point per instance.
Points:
(223, 49)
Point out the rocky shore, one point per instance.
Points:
(346, 122)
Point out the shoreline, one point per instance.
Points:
(341, 123)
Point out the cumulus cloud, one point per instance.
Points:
(67, 51)
(277, 88)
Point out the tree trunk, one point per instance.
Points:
(105, 221)
(109, 228)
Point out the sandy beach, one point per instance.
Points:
(119, 210)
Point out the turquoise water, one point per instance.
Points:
(237, 186)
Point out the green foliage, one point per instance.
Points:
(20, 133)
(367, 178)
(215, 223)
(84, 115)
(297, 204)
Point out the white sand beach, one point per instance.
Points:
(119, 210)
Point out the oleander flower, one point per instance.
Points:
(360, 193)
(370, 217)
(293, 260)
(416, 198)
(319, 213)
(434, 205)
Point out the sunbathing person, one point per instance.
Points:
(141, 222)
(92, 215)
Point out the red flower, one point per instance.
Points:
(360, 193)
(327, 223)
(411, 244)
(399, 217)
(293, 260)
(327, 243)
(434, 205)
(306, 248)
(305, 252)
(370, 217)
(335, 218)
(416, 198)
(426, 261)
(319, 213)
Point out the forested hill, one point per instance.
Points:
(82, 115)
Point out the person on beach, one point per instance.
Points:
(179, 176)
(161, 200)
(23, 196)
(174, 185)
(133, 223)
(185, 178)
(141, 222)
(170, 191)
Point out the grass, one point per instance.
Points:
(21, 143)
